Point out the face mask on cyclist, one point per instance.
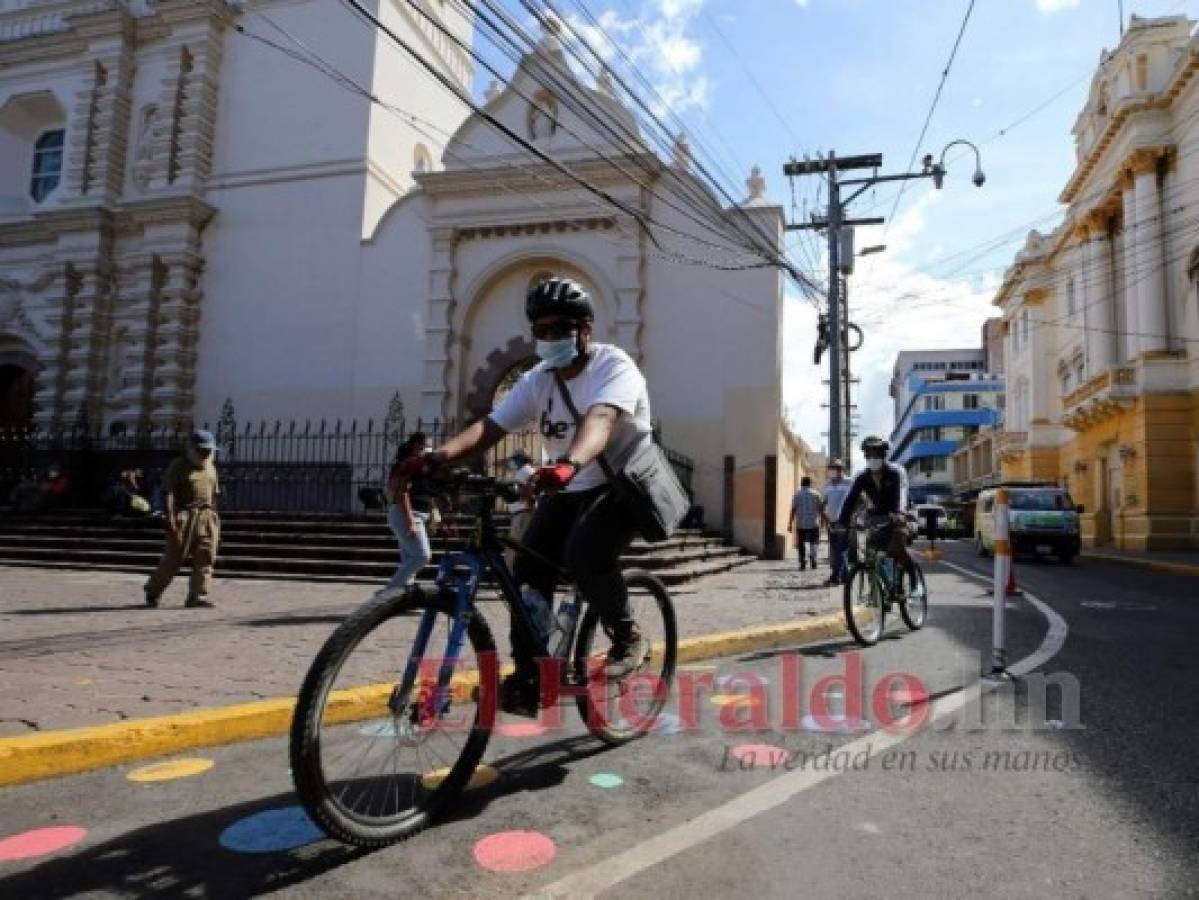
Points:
(558, 354)
(875, 463)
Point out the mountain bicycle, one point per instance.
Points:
(875, 584)
(399, 704)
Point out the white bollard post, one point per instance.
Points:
(1003, 567)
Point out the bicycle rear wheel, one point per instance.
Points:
(864, 610)
(914, 607)
(373, 764)
(620, 711)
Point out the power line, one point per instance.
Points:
(931, 109)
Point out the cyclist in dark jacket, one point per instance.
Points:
(885, 485)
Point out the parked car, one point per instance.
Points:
(1042, 520)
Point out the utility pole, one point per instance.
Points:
(834, 224)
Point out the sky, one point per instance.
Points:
(756, 82)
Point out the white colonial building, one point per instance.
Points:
(189, 216)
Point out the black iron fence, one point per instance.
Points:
(292, 467)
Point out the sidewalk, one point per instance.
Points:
(1175, 562)
(80, 648)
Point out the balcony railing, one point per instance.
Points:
(1100, 398)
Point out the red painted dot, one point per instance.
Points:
(40, 842)
(755, 755)
(519, 729)
(514, 851)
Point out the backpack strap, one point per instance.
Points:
(574, 411)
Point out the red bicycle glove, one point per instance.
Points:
(555, 477)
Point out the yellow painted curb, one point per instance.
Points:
(1157, 565)
(53, 754)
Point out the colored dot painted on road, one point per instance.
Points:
(385, 729)
(834, 724)
(272, 831)
(170, 770)
(666, 723)
(83, 682)
(514, 851)
(732, 682)
(754, 755)
(519, 729)
(606, 780)
(40, 842)
(483, 776)
(735, 700)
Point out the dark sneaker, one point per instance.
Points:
(520, 696)
(627, 654)
(198, 603)
(151, 602)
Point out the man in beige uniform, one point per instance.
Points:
(190, 487)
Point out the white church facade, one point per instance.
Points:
(190, 216)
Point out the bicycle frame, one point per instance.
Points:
(462, 572)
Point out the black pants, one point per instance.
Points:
(585, 532)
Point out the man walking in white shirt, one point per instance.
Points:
(805, 516)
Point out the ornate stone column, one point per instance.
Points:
(1038, 356)
(630, 290)
(439, 327)
(1131, 240)
(1098, 299)
(1151, 320)
(177, 331)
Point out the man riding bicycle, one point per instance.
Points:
(580, 523)
(885, 485)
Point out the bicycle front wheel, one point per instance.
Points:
(864, 609)
(914, 607)
(619, 711)
(376, 753)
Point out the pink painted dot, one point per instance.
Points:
(514, 851)
(40, 842)
(754, 755)
(519, 729)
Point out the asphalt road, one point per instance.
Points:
(1095, 796)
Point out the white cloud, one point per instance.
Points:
(801, 2)
(659, 39)
(1051, 6)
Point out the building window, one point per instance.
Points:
(1142, 72)
(1024, 327)
(970, 401)
(47, 164)
(934, 402)
(1071, 302)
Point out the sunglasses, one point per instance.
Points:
(553, 331)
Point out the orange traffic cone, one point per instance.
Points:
(1012, 589)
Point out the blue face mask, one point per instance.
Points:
(558, 354)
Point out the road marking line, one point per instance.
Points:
(600, 876)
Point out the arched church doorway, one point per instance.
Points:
(16, 396)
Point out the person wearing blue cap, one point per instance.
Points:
(190, 488)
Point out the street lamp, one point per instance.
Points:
(938, 170)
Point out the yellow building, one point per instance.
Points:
(1102, 315)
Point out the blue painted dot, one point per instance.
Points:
(667, 723)
(606, 780)
(272, 831)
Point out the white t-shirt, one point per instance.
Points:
(610, 377)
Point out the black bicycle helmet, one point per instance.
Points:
(875, 446)
(559, 297)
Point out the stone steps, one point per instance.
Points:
(319, 547)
